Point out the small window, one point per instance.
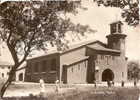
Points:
(78, 66)
(72, 69)
(3, 75)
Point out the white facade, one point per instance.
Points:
(20, 73)
(6, 61)
(4, 71)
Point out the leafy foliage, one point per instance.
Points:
(130, 9)
(29, 26)
(133, 70)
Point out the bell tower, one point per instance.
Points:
(116, 39)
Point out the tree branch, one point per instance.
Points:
(13, 53)
(27, 48)
(8, 39)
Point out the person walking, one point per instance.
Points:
(42, 86)
(57, 86)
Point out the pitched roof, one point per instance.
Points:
(99, 47)
(74, 59)
(5, 56)
(82, 44)
(71, 48)
(50, 52)
(5, 63)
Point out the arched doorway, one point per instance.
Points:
(107, 75)
(21, 77)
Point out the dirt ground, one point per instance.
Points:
(25, 88)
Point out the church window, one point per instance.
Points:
(72, 69)
(29, 68)
(44, 67)
(119, 28)
(53, 65)
(78, 66)
(107, 57)
(102, 56)
(99, 56)
(36, 68)
(113, 57)
(113, 28)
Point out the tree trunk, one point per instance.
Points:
(4, 87)
(7, 83)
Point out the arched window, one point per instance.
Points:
(21, 77)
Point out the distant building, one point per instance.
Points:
(85, 63)
(6, 61)
(5, 68)
(20, 73)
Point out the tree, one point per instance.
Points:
(133, 70)
(130, 9)
(29, 26)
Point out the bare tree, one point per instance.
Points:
(28, 26)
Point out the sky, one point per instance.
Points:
(98, 18)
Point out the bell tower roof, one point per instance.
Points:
(116, 30)
(116, 38)
(116, 27)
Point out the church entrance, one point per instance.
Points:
(107, 75)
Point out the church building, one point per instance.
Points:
(84, 63)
